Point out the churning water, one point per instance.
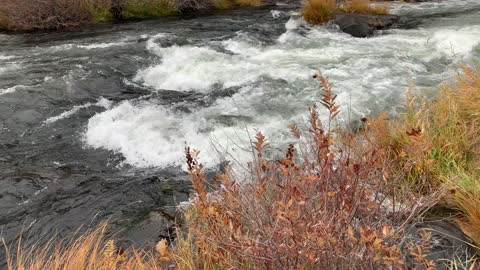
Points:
(258, 81)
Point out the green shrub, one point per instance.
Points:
(226, 4)
(100, 10)
(141, 9)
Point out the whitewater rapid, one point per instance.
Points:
(146, 90)
(271, 85)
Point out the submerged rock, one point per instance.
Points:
(364, 25)
(56, 202)
(446, 244)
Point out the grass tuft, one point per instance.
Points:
(435, 145)
(100, 10)
(363, 7)
(321, 11)
(318, 11)
(141, 9)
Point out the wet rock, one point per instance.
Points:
(58, 201)
(158, 224)
(447, 243)
(364, 25)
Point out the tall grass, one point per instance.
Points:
(436, 145)
(363, 7)
(140, 9)
(321, 11)
(318, 11)
(91, 250)
(437, 142)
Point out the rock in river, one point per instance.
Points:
(364, 25)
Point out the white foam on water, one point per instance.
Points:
(431, 7)
(66, 47)
(35, 194)
(145, 134)
(273, 87)
(11, 89)
(6, 57)
(102, 102)
(455, 42)
(275, 13)
(290, 26)
(199, 68)
(8, 65)
(149, 135)
(101, 45)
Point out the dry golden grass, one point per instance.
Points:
(435, 141)
(363, 7)
(318, 11)
(89, 251)
(467, 200)
(435, 145)
(321, 11)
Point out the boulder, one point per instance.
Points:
(364, 25)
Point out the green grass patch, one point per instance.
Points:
(102, 15)
(227, 4)
(142, 9)
(3, 20)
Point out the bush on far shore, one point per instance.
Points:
(32, 15)
(141, 9)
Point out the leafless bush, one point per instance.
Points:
(189, 5)
(30, 15)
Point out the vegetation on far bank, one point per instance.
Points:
(32, 15)
(338, 199)
(321, 11)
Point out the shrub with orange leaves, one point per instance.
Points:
(325, 205)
